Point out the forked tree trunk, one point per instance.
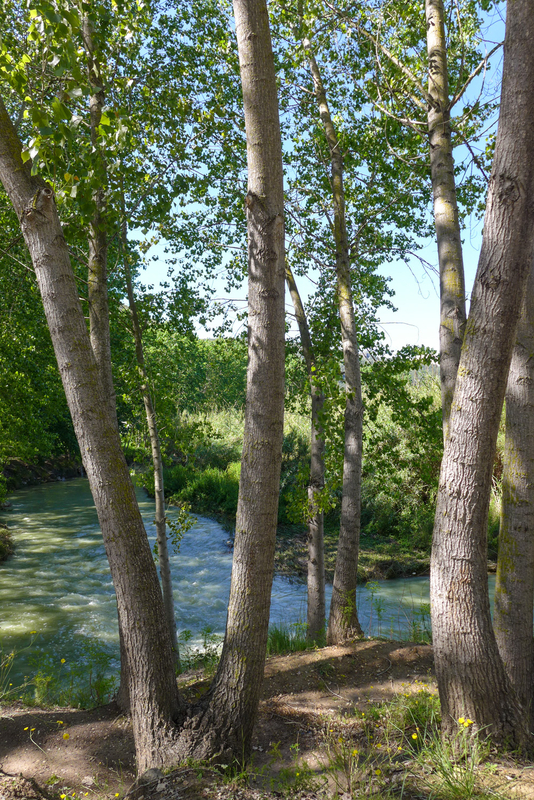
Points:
(447, 224)
(471, 677)
(155, 446)
(154, 696)
(514, 589)
(316, 615)
(343, 620)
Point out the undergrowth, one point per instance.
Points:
(394, 750)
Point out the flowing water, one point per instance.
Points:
(57, 600)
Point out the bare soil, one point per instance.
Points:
(45, 753)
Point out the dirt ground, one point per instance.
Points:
(91, 754)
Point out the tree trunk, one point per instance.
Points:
(97, 281)
(343, 621)
(514, 589)
(225, 727)
(153, 691)
(316, 616)
(447, 224)
(471, 676)
(157, 461)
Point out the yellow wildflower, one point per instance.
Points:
(66, 736)
(461, 720)
(414, 736)
(62, 660)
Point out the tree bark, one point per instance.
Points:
(155, 700)
(471, 676)
(316, 615)
(225, 727)
(514, 589)
(155, 445)
(343, 620)
(447, 224)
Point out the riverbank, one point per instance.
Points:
(351, 721)
(380, 558)
(19, 474)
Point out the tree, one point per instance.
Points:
(343, 619)
(234, 694)
(514, 587)
(446, 219)
(316, 616)
(347, 207)
(155, 446)
(471, 676)
(154, 697)
(223, 726)
(397, 88)
(98, 227)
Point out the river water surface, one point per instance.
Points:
(57, 599)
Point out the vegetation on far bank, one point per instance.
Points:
(6, 543)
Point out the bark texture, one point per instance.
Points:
(316, 613)
(155, 699)
(514, 589)
(471, 676)
(343, 620)
(226, 725)
(447, 224)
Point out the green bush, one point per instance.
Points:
(211, 491)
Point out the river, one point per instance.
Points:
(57, 600)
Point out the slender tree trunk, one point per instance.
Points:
(343, 621)
(98, 234)
(316, 579)
(451, 268)
(471, 676)
(155, 702)
(514, 589)
(155, 445)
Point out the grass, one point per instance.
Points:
(284, 639)
(54, 682)
(393, 751)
